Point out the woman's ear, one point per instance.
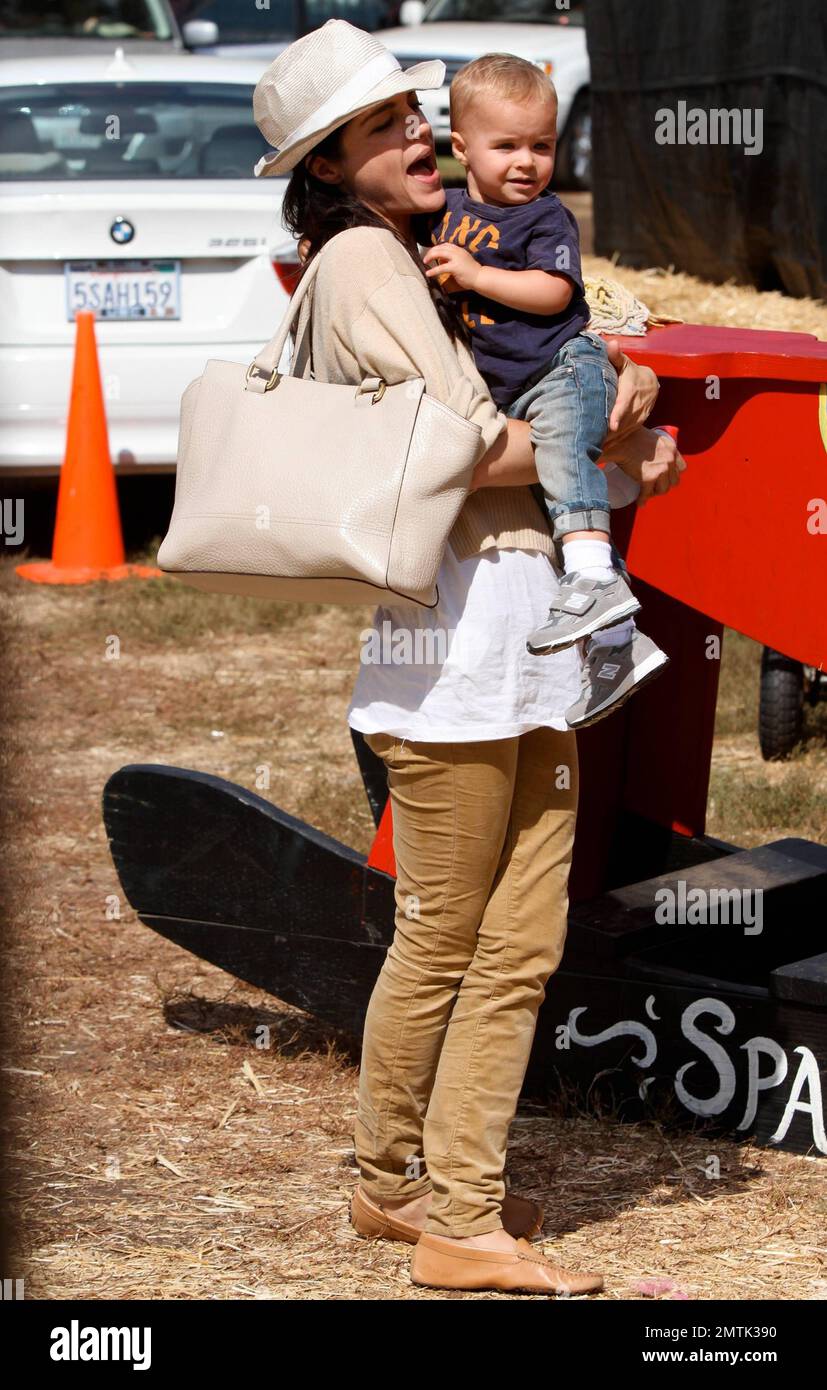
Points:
(321, 168)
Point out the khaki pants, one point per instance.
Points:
(482, 835)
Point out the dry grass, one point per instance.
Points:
(751, 802)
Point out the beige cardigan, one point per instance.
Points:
(370, 314)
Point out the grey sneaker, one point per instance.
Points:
(582, 606)
(611, 674)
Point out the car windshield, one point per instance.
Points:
(128, 130)
(505, 12)
(87, 19)
(281, 21)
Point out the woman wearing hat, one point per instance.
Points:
(482, 769)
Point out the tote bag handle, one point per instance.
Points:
(262, 374)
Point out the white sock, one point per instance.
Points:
(613, 636)
(592, 558)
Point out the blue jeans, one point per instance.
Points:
(568, 404)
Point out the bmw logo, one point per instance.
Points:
(121, 231)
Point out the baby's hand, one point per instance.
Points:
(449, 284)
(446, 259)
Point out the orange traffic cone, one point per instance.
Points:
(88, 541)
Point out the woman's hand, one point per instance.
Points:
(652, 459)
(637, 391)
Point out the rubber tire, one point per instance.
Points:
(781, 705)
(565, 176)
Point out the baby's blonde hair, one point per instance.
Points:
(502, 75)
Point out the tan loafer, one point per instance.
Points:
(441, 1263)
(520, 1217)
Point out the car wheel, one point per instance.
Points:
(574, 159)
(781, 705)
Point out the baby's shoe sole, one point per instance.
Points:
(609, 706)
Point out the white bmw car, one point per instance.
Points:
(127, 188)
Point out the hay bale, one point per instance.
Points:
(672, 293)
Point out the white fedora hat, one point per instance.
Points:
(323, 79)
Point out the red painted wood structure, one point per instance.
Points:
(738, 544)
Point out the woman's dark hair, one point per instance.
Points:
(318, 210)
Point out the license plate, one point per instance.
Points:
(124, 289)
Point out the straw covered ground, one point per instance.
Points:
(158, 1150)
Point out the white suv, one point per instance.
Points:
(542, 31)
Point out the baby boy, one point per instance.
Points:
(508, 249)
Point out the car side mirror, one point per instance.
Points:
(411, 12)
(199, 33)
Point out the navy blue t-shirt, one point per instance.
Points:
(509, 345)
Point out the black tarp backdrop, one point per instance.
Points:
(712, 209)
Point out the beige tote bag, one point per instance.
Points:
(294, 489)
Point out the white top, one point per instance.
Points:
(461, 671)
